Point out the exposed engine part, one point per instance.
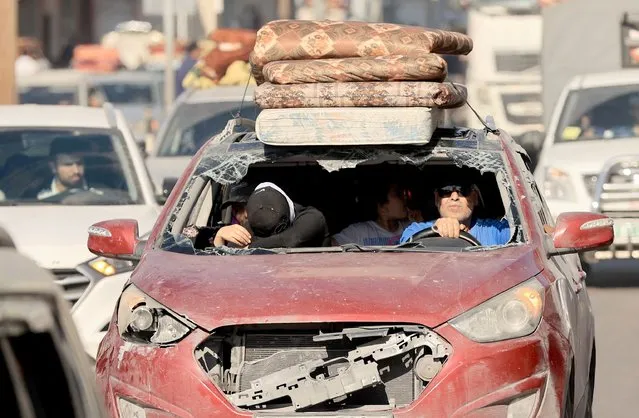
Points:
(427, 368)
(368, 366)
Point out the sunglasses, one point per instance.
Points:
(446, 191)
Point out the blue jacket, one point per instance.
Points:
(487, 231)
(181, 72)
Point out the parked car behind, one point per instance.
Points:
(594, 128)
(50, 226)
(432, 327)
(35, 330)
(195, 117)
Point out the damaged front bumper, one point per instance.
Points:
(510, 378)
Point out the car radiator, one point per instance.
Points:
(364, 366)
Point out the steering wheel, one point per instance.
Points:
(431, 233)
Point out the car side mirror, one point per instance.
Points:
(116, 238)
(581, 231)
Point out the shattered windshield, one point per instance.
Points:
(195, 123)
(254, 199)
(52, 166)
(600, 113)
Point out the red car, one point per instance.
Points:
(431, 327)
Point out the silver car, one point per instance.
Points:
(196, 116)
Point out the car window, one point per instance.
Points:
(194, 124)
(48, 95)
(127, 93)
(56, 166)
(600, 113)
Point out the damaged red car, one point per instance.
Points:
(425, 327)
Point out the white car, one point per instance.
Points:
(195, 117)
(47, 205)
(595, 122)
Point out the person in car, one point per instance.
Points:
(237, 233)
(273, 220)
(221, 234)
(456, 201)
(67, 166)
(388, 220)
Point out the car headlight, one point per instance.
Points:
(512, 314)
(110, 266)
(143, 320)
(558, 185)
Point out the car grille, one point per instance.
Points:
(590, 181)
(239, 362)
(73, 283)
(619, 194)
(516, 63)
(513, 99)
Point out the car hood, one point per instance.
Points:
(56, 236)
(163, 167)
(424, 288)
(592, 154)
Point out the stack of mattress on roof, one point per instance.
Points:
(384, 82)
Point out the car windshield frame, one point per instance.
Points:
(235, 165)
(121, 150)
(171, 141)
(575, 104)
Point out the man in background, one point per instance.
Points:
(67, 166)
(190, 59)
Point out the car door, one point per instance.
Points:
(572, 294)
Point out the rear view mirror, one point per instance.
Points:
(117, 238)
(581, 231)
(167, 186)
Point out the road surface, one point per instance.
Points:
(614, 293)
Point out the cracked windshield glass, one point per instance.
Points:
(373, 199)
